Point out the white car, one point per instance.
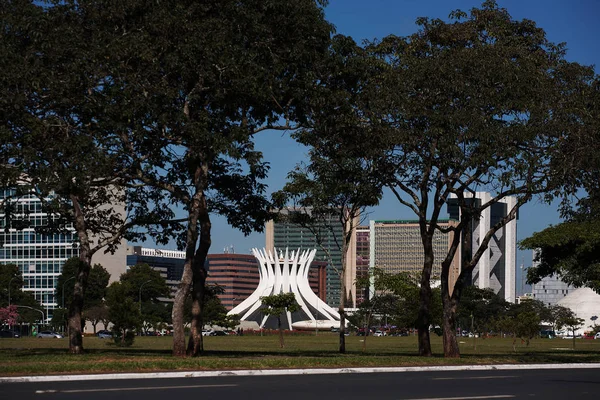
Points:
(49, 334)
(379, 333)
(597, 335)
(207, 332)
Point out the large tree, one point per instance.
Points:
(192, 83)
(331, 192)
(163, 94)
(55, 145)
(480, 103)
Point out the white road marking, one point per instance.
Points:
(476, 377)
(130, 388)
(499, 396)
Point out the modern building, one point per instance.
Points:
(286, 271)
(40, 257)
(585, 303)
(550, 290)
(236, 274)
(282, 233)
(363, 251)
(396, 246)
(497, 267)
(168, 262)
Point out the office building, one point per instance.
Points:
(363, 250)
(396, 246)
(169, 263)
(40, 257)
(497, 267)
(283, 233)
(550, 290)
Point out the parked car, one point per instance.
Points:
(104, 334)
(379, 333)
(207, 332)
(218, 333)
(597, 335)
(547, 334)
(9, 334)
(49, 334)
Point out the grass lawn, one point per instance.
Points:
(30, 356)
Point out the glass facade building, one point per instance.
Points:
(40, 257)
(283, 234)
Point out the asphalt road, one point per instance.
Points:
(564, 384)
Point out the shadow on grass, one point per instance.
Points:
(547, 356)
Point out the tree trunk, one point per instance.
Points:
(449, 307)
(190, 280)
(199, 274)
(423, 319)
(177, 314)
(342, 330)
(367, 330)
(196, 341)
(342, 313)
(461, 238)
(451, 349)
(83, 272)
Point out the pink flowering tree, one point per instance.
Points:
(8, 315)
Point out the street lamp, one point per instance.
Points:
(9, 282)
(34, 309)
(140, 300)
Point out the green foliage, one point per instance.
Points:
(527, 325)
(96, 314)
(277, 304)
(96, 288)
(10, 276)
(59, 319)
(571, 250)
(123, 310)
(142, 280)
(123, 338)
(481, 307)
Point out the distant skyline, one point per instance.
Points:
(571, 21)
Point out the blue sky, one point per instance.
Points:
(572, 21)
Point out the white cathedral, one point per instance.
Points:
(287, 273)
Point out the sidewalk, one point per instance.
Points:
(273, 372)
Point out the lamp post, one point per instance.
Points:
(34, 309)
(140, 298)
(140, 294)
(9, 282)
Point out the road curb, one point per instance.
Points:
(298, 371)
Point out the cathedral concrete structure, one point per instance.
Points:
(287, 272)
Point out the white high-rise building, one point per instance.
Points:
(497, 267)
(550, 290)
